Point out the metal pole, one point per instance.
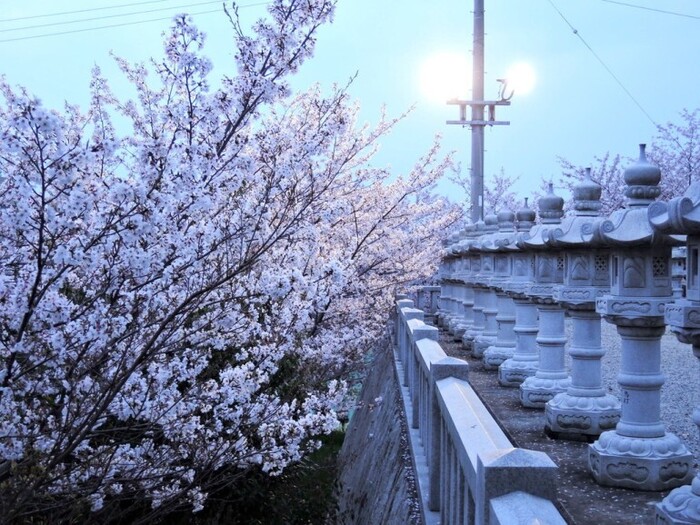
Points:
(477, 173)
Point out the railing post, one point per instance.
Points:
(447, 367)
(422, 332)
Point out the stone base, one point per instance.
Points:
(680, 507)
(495, 355)
(452, 325)
(445, 319)
(467, 342)
(512, 373)
(535, 391)
(458, 332)
(481, 344)
(580, 418)
(640, 463)
(470, 336)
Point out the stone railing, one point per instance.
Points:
(588, 267)
(472, 472)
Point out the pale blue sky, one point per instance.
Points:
(576, 110)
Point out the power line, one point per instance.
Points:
(93, 19)
(675, 13)
(137, 22)
(82, 11)
(610, 71)
(103, 27)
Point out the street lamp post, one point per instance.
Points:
(478, 118)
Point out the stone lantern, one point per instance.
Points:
(550, 378)
(456, 318)
(584, 410)
(682, 216)
(523, 364)
(474, 280)
(466, 291)
(460, 291)
(447, 267)
(482, 280)
(501, 244)
(639, 453)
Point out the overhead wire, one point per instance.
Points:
(605, 66)
(47, 15)
(123, 24)
(656, 10)
(105, 17)
(101, 27)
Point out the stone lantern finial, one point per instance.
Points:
(642, 179)
(551, 207)
(587, 196)
(506, 220)
(491, 221)
(525, 218)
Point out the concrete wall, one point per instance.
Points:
(376, 482)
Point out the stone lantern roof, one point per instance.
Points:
(678, 216)
(630, 226)
(504, 238)
(551, 211)
(586, 208)
(451, 245)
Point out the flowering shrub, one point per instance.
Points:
(184, 303)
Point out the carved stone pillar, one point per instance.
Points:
(488, 335)
(503, 242)
(466, 296)
(490, 309)
(523, 364)
(639, 453)
(681, 216)
(504, 346)
(585, 410)
(479, 321)
(456, 306)
(551, 377)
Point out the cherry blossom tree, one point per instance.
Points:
(498, 190)
(675, 150)
(184, 303)
(499, 194)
